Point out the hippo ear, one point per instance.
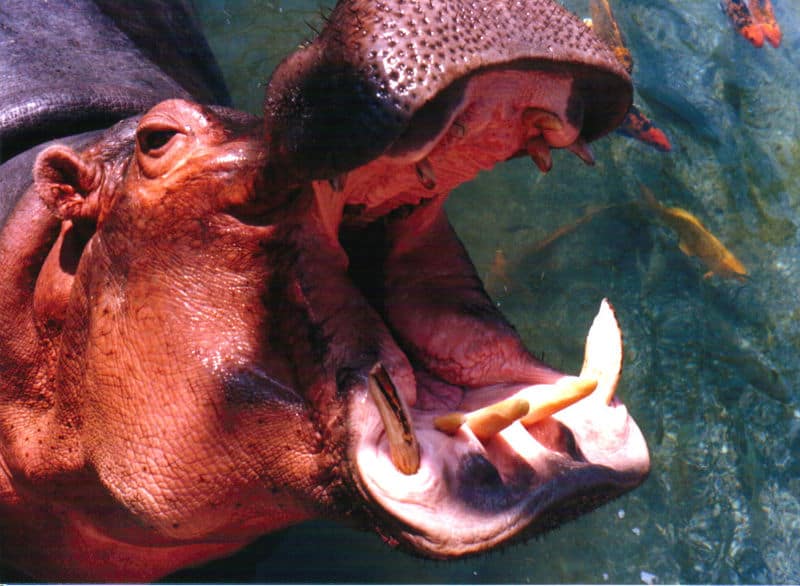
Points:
(66, 183)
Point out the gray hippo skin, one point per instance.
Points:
(213, 326)
(71, 66)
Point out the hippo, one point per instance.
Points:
(215, 325)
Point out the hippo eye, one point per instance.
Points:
(152, 141)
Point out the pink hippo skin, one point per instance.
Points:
(213, 326)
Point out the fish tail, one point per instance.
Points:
(648, 199)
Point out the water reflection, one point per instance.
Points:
(711, 366)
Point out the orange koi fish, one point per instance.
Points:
(635, 125)
(754, 20)
(638, 126)
(497, 280)
(696, 240)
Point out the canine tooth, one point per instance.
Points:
(542, 119)
(539, 151)
(545, 401)
(425, 174)
(582, 150)
(603, 354)
(403, 444)
(337, 183)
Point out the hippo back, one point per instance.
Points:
(72, 66)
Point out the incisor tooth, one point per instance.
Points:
(449, 423)
(582, 151)
(528, 406)
(403, 444)
(539, 151)
(545, 401)
(541, 119)
(425, 174)
(486, 422)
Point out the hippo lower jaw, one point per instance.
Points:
(470, 494)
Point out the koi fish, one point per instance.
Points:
(697, 240)
(754, 20)
(497, 279)
(635, 125)
(606, 27)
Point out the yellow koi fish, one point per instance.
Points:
(606, 27)
(636, 124)
(696, 240)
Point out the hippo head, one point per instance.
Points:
(217, 335)
(389, 109)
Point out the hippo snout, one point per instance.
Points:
(387, 77)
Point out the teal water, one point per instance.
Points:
(712, 365)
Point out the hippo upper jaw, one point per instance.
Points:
(472, 493)
(395, 71)
(490, 117)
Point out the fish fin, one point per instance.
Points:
(649, 199)
(636, 125)
(685, 249)
(708, 275)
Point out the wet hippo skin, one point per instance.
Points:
(72, 66)
(214, 325)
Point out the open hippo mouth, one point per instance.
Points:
(385, 113)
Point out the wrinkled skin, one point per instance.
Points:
(75, 66)
(190, 313)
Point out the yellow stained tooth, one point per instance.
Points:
(449, 423)
(539, 151)
(487, 422)
(549, 400)
(458, 130)
(425, 174)
(542, 119)
(403, 445)
(582, 150)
